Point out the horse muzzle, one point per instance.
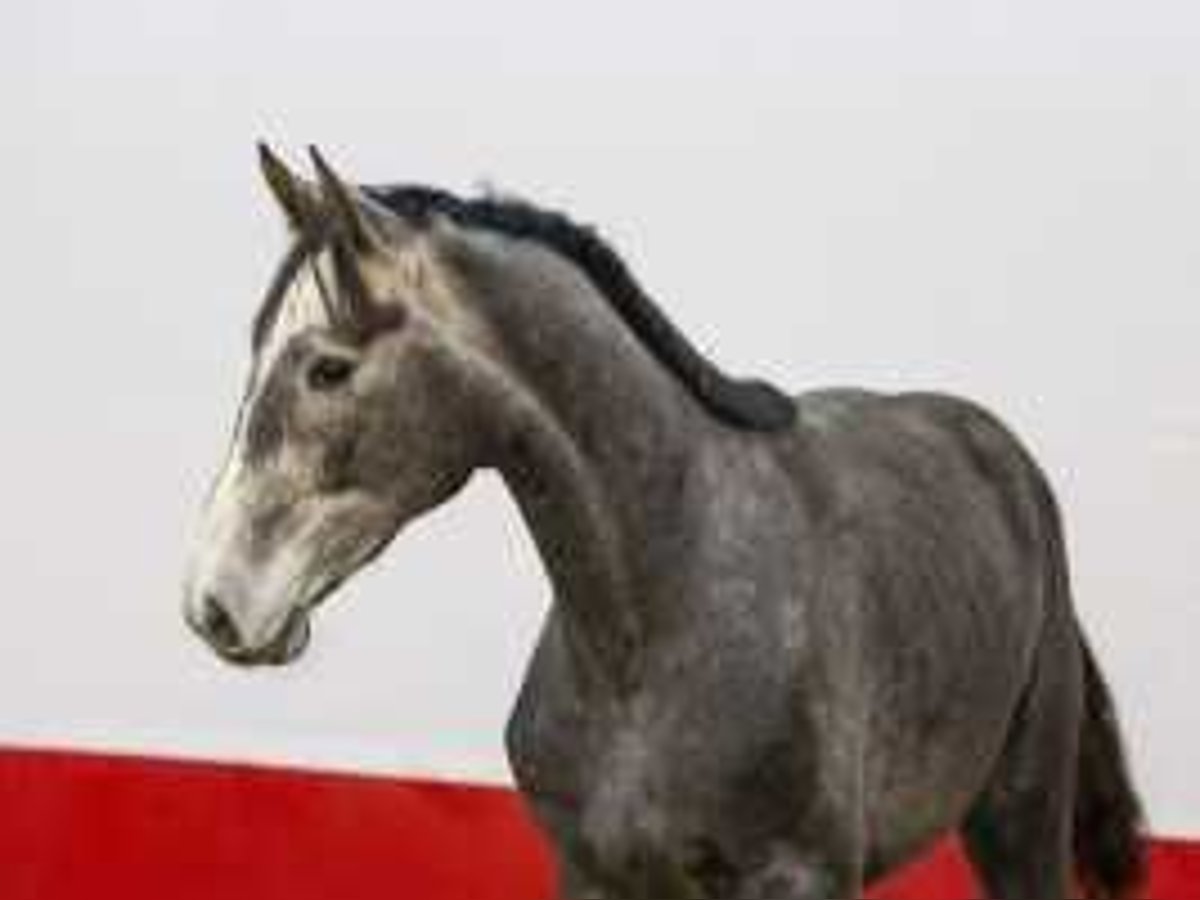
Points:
(213, 623)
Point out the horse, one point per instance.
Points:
(794, 640)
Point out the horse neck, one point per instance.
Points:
(598, 442)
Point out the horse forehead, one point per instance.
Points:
(301, 307)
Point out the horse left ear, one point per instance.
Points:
(350, 209)
(296, 197)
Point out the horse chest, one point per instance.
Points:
(604, 784)
(674, 777)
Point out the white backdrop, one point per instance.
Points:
(1001, 199)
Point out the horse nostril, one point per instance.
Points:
(219, 624)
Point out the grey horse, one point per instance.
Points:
(793, 640)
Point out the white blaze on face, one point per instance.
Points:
(257, 596)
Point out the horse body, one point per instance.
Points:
(849, 619)
(791, 642)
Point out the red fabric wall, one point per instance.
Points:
(87, 827)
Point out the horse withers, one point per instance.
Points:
(793, 641)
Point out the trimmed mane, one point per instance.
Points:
(745, 403)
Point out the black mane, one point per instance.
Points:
(746, 403)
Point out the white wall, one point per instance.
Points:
(999, 199)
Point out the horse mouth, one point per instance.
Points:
(288, 644)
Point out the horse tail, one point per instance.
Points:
(1110, 853)
(1108, 845)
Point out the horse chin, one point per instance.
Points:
(294, 641)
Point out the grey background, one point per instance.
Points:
(1001, 199)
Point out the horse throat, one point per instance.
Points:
(583, 546)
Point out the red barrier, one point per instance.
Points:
(92, 827)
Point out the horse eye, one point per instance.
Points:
(329, 372)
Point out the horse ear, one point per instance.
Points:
(351, 210)
(296, 197)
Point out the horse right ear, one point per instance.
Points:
(297, 198)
